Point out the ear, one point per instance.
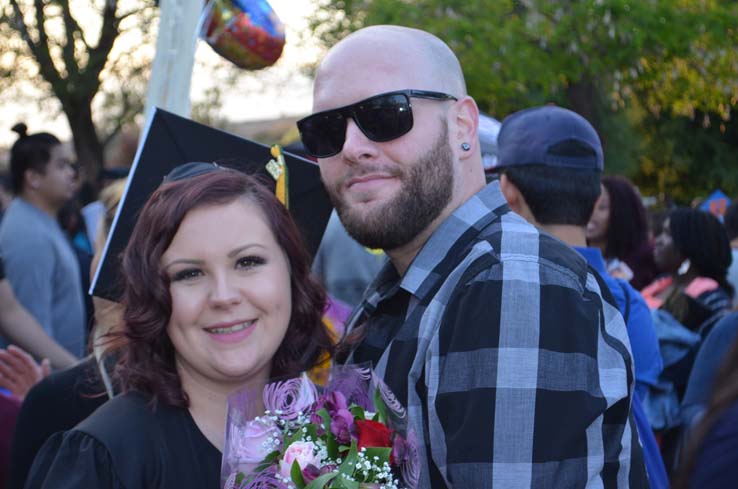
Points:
(32, 178)
(511, 193)
(464, 128)
(515, 199)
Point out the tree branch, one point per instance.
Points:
(40, 49)
(70, 27)
(99, 54)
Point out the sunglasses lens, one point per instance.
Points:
(323, 134)
(384, 117)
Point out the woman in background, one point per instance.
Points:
(619, 228)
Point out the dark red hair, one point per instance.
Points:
(146, 361)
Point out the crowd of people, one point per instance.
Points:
(538, 327)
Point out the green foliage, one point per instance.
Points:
(639, 71)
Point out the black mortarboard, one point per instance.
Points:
(170, 141)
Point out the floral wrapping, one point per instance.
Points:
(294, 434)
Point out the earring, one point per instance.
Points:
(465, 146)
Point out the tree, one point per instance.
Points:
(47, 42)
(624, 65)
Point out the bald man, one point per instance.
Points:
(514, 370)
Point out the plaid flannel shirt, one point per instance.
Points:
(514, 370)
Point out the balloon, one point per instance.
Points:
(246, 32)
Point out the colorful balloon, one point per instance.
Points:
(247, 33)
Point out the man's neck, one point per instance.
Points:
(39, 202)
(569, 234)
(734, 243)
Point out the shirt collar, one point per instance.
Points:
(481, 209)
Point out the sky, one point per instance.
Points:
(248, 100)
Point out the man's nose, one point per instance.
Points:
(356, 145)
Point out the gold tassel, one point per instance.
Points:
(278, 170)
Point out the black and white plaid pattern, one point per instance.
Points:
(512, 366)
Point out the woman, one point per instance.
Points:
(619, 228)
(217, 297)
(694, 251)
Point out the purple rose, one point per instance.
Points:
(289, 398)
(251, 443)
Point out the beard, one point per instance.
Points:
(427, 187)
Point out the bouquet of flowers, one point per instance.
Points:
(351, 434)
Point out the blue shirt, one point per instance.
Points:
(646, 357)
(643, 341)
(42, 269)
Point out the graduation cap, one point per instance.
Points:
(170, 141)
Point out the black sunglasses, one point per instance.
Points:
(381, 118)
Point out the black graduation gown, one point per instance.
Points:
(126, 445)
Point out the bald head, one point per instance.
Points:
(386, 58)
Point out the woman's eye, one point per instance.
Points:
(250, 261)
(187, 274)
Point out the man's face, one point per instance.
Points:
(386, 193)
(56, 185)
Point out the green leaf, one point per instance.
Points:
(349, 463)
(296, 474)
(381, 407)
(268, 461)
(320, 482)
(343, 483)
(382, 452)
(357, 412)
(239, 478)
(330, 441)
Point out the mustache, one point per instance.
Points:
(367, 170)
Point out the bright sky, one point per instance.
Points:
(291, 93)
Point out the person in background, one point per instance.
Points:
(6, 194)
(202, 318)
(619, 228)
(478, 323)
(711, 456)
(64, 399)
(9, 407)
(558, 196)
(39, 261)
(710, 356)
(694, 252)
(730, 220)
(21, 329)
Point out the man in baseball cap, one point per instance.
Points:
(550, 160)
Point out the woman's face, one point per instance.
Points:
(231, 296)
(665, 254)
(600, 219)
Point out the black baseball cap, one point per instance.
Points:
(549, 136)
(173, 148)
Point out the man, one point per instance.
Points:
(551, 165)
(514, 371)
(39, 261)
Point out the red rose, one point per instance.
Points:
(373, 434)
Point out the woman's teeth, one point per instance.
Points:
(230, 329)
